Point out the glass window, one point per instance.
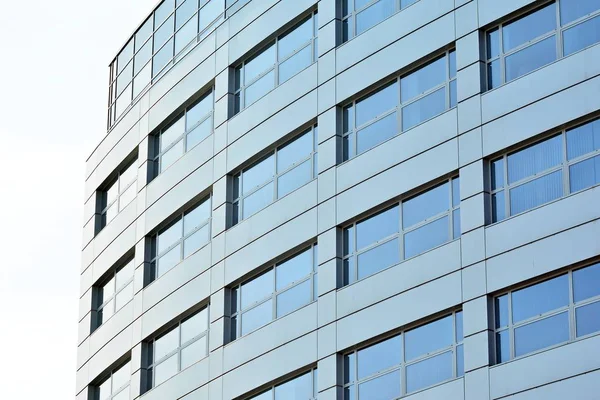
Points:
(118, 194)
(542, 315)
(303, 387)
(289, 167)
(407, 229)
(187, 234)
(432, 355)
(400, 105)
(114, 293)
(542, 172)
(285, 287)
(116, 386)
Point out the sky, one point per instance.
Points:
(53, 96)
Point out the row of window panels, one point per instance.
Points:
(554, 311)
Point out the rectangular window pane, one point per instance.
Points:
(373, 15)
(493, 44)
(376, 133)
(295, 39)
(257, 317)
(299, 388)
(377, 103)
(581, 36)
(584, 174)
(172, 133)
(537, 192)
(121, 377)
(107, 311)
(169, 260)
(426, 205)
(196, 241)
(497, 172)
(423, 79)
(186, 35)
(193, 353)
(588, 319)
(429, 372)
(583, 139)
(259, 88)
(384, 387)
(423, 109)
(258, 200)
(124, 296)
(541, 334)
(125, 274)
(163, 11)
(494, 74)
(377, 227)
(498, 207)
(142, 79)
(530, 58)
(501, 311)
(293, 270)
(428, 338)
(294, 298)
(198, 134)
(124, 78)
(128, 196)
(165, 370)
(143, 33)
(529, 27)
(294, 152)
(194, 326)
(162, 58)
(378, 258)
(540, 298)
(294, 178)
(259, 64)
(142, 57)
(455, 192)
(165, 344)
(379, 357)
(163, 33)
(456, 223)
(570, 10)
(586, 283)
(198, 111)
(258, 174)
(295, 64)
(210, 12)
(257, 289)
(124, 100)
(349, 368)
(426, 237)
(170, 156)
(169, 236)
(502, 347)
(185, 10)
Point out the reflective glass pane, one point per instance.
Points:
(377, 227)
(584, 174)
(423, 79)
(209, 12)
(349, 368)
(143, 34)
(169, 260)
(540, 334)
(458, 321)
(258, 200)
(358, 4)
(198, 134)
(426, 205)
(128, 176)
(257, 317)
(186, 34)
(259, 64)
(378, 258)
(293, 269)
(428, 338)
(295, 39)
(125, 274)
(124, 296)
(426, 237)
(502, 346)
(348, 118)
(583, 140)
(294, 298)
(530, 58)
(424, 109)
(162, 58)
(455, 192)
(540, 298)
(300, 388)
(295, 64)
(460, 361)
(586, 283)
(163, 33)
(529, 27)
(259, 88)
(124, 56)
(194, 326)
(268, 395)
(196, 240)
(588, 319)
(349, 240)
(456, 223)
(104, 390)
(124, 78)
(107, 311)
(172, 133)
(112, 212)
(163, 11)
(570, 10)
(350, 393)
(537, 192)
(348, 147)
(184, 12)
(128, 196)
(297, 150)
(142, 79)
(349, 271)
(374, 14)
(197, 216)
(165, 344)
(165, 370)
(429, 372)
(198, 111)
(257, 289)
(452, 63)
(121, 377)
(376, 133)
(384, 387)
(112, 192)
(497, 172)
(379, 357)
(406, 3)
(258, 174)
(493, 44)
(581, 36)
(535, 159)
(501, 311)
(171, 155)
(498, 207)
(377, 103)
(124, 100)
(494, 76)
(453, 93)
(193, 353)
(169, 236)
(108, 289)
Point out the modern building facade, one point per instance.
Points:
(357, 200)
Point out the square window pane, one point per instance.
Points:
(172, 133)
(196, 240)
(581, 36)
(169, 260)
(502, 347)
(588, 319)
(294, 178)
(379, 258)
(257, 317)
(529, 27)
(124, 296)
(428, 338)
(384, 387)
(541, 334)
(537, 192)
(374, 14)
(258, 200)
(294, 298)
(259, 64)
(423, 79)
(429, 372)
(570, 10)
(426, 237)
(376, 133)
(295, 39)
(165, 370)
(199, 133)
(584, 174)
(379, 357)
(377, 227)
(198, 111)
(540, 298)
(169, 236)
(423, 109)
(108, 289)
(583, 139)
(193, 353)
(184, 11)
(426, 205)
(377, 103)
(185, 35)
(194, 326)
(293, 269)
(170, 156)
(258, 174)
(197, 216)
(257, 289)
(166, 344)
(586, 283)
(530, 58)
(295, 151)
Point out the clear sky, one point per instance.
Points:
(53, 96)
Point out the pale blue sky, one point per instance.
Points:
(53, 112)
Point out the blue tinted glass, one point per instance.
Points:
(456, 223)
(349, 368)
(294, 178)
(358, 4)
(259, 88)
(493, 44)
(299, 388)
(378, 258)
(535, 159)
(348, 118)
(373, 15)
(294, 298)
(502, 347)
(376, 133)
(377, 103)
(163, 33)
(498, 207)
(163, 11)
(581, 36)
(497, 172)
(459, 326)
(455, 192)
(257, 289)
(385, 387)
(262, 62)
(529, 27)
(530, 58)
(460, 361)
(162, 58)
(429, 372)
(185, 35)
(295, 64)
(541, 298)
(169, 236)
(541, 334)
(258, 200)
(423, 79)
(377, 227)
(268, 395)
(588, 319)
(583, 140)
(143, 34)
(494, 77)
(425, 339)
(570, 10)
(424, 109)
(501, 311)
(584, 174)
(143, 56)
(257, 317)
(295, 39)
(293, 269)
(453, 94)
(426, 237)
(295, 151)
(379, 357)
(452, 63)
(349, 393)
(196, 217)
(184, 12)
(349, 240)
(258, 174)
(537, 192)
(169, 260)
(425, 205)
(406, 3)
(586, 283)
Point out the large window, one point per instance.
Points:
(114, 293)
(116, 386)
(179, 348)
(400, 105)
(171, 30)
(303, 387)
(280, 60)
(543, 172)
(182, 134)
(527, 43)
(118, 194)
(183, 237)
(283, 288)
(413, 360)
(402, 231)
(555, 311)
(281, 172)
(360, 15)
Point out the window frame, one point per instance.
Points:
(101, 302)
(113, 371)
(116, 180)
(558, 32)
(564, 166)
(271, 388)
(401, 234)
(236, 312)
